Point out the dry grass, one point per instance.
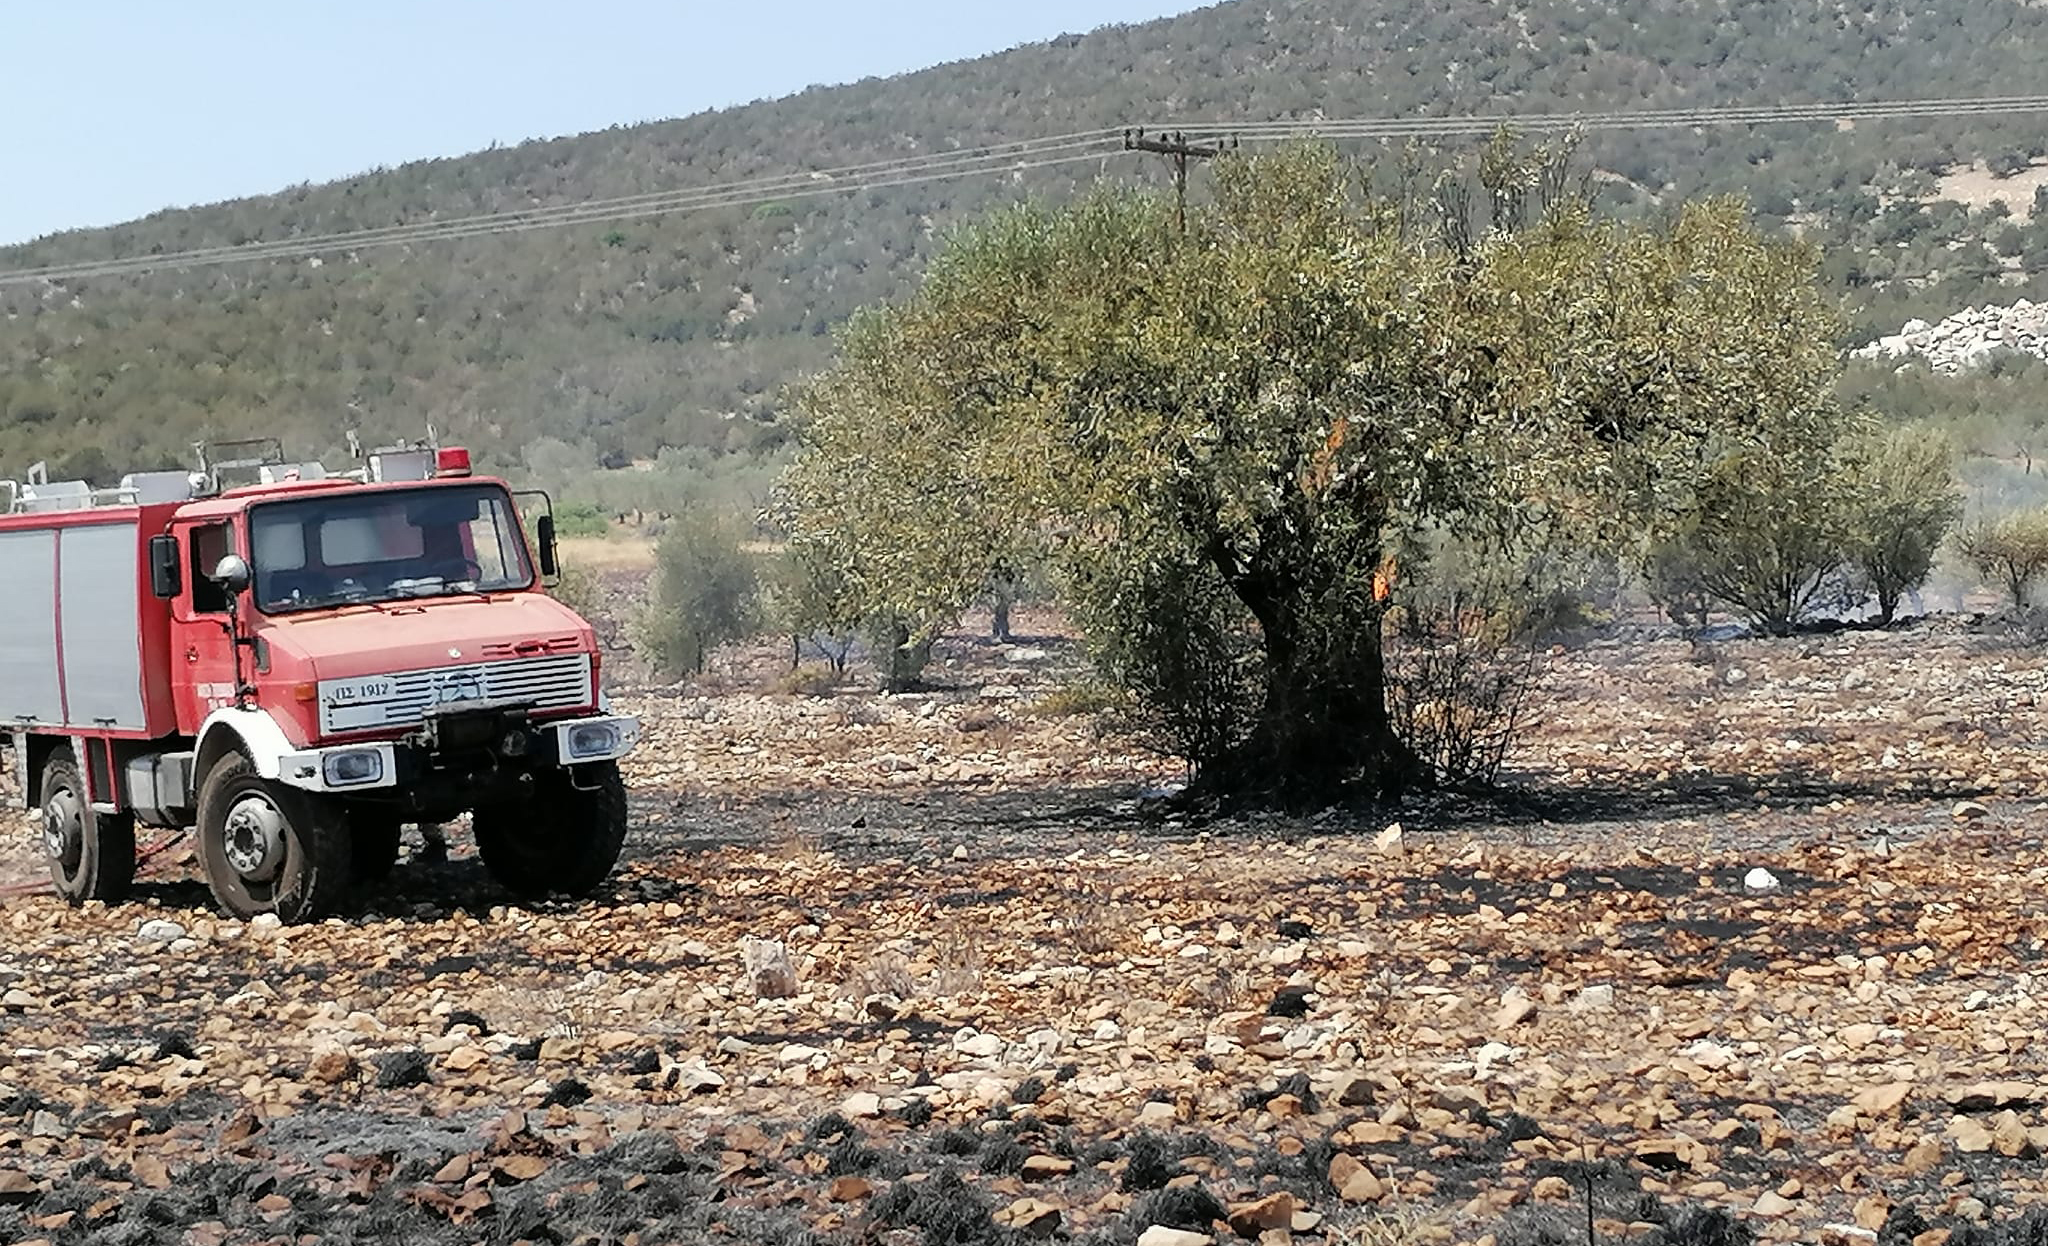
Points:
(887, 972)
(1087, 917)
(1399, 1227)
(611, 553)
(958, 953)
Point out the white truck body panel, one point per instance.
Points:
(30, 690)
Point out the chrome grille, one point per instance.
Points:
(402, 698)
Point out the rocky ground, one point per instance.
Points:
(1750, 947)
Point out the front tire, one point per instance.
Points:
(563, 842)
(270, 848)
(92, 855)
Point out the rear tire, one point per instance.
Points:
(563, 842)
(92, 855)
(270, 848)
(373, 844)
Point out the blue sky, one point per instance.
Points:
(119, 107)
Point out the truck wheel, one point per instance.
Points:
(562, 842)
(92, 855)
(269, 848)
(373, 844)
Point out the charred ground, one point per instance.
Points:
(1034, 1002)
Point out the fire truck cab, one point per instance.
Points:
(295, 666)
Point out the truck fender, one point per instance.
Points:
(253, 733)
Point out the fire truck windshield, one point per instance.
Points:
(335, 549)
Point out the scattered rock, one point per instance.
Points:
(1969, 811)
(1353, 1181)
(1760, 880)
(1357, 1092)
(1045, 1168)
(769, 971)
(1030, 1217)
(1596, 998)
(1885, 1100)
(1990, 1096)
(1160, 1235)
(850, 1189)
(1388, 843)
(1515, 1008)
(399, 1069)
(862, 1105)
(158, 930)
(1275, 1211)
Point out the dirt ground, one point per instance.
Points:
(1035, 1005)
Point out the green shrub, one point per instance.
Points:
(1903, 504)
(580, 519)
(2012, 551)
(706, 591)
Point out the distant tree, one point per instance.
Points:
(1897, 507)
(706, 590)
(1764, 536)
(2011, 551)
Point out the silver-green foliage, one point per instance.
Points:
(1218, 438)
(706, 591)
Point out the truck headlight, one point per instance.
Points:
(351, 768)
(592, 740)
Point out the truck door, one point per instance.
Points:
(202, 653)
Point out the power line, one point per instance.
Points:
(1012, 157)
(514, 226)
(990, 158)
(1672, 118)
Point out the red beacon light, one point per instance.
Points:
(451, 461)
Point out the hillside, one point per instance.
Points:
(680, 331)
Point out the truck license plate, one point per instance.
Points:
(358, 691)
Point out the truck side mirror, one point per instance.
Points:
(232, 574)
(165, 567)
(550, 564)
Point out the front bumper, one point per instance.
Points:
(381, 766)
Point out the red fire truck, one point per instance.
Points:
(296, 665)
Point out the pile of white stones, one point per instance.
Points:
(1967, 339)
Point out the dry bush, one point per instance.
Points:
(1220, 989)
(811, 680)
(1076, 700)
(1087, 917)
(887, 972)
(957, 951)
(1405, 1226)
(1460, 701)
(992, 725)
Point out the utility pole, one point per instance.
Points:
(1177, 149)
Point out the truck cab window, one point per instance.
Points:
(336, 549)
(210, 544)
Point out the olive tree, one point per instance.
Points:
(1217, 437)
(1900, 500)
(706, 590)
